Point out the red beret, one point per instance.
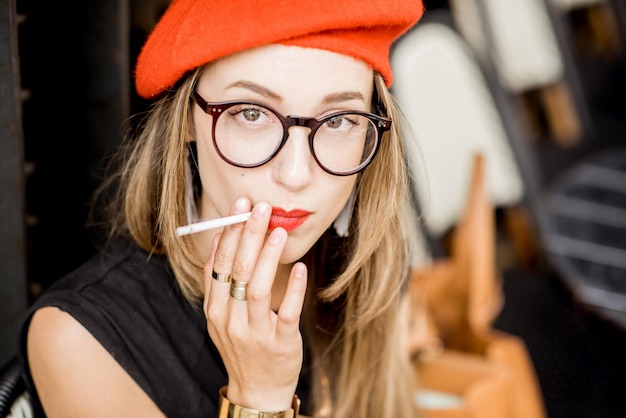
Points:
(192, 33)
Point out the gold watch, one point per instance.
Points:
(229, 410)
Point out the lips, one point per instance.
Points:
(288, 220)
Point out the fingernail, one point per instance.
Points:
(261, 209)
(299, 270)
(276, 236)
(241, 204)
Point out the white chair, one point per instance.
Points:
(528, 48)
(450, 108)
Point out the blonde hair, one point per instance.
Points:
(354, 332)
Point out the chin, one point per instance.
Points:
(289, 256)
(295, 249)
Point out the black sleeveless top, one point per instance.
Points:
(130, 302)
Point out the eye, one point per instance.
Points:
(339, 122)
(251, 115)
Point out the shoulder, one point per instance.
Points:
(74, 375)
(115, 279)
(122, 261)
(125, 298)
(124, 308)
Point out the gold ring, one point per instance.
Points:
(238, 289)
(221, 277)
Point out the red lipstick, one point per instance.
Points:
(288, 220)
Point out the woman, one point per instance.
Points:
(297, 307)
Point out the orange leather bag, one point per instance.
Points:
(465, 368)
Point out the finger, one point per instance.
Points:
(260, 288)
(290, 309)
(250, 245)
(214, 307)
(222, 255)
(225, 254)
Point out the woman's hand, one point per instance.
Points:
(261, 349)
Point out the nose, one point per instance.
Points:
(293, 166)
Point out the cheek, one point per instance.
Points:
(342, 195)
(220, 181)
(337, 194)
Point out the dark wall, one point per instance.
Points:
(75, 60)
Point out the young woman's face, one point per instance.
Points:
(292, 81)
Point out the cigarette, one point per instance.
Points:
(212, 223)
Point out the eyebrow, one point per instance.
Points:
(329, 99)
(256, 88)
(343, 97)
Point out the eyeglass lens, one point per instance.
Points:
(248, 134)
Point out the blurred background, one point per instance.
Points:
(538, 86)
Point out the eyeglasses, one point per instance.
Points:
(247, 135)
